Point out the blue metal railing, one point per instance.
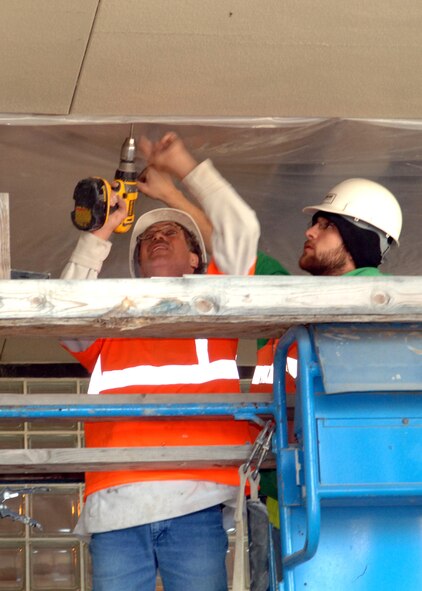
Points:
(241, 411)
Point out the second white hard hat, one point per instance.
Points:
(366, 201)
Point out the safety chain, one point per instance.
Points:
(260, 448)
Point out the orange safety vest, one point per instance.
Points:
(262, 380)
(163, 366)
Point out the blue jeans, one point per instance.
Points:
(189, 551)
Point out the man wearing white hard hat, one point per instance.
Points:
(167, 520)
(352, 229)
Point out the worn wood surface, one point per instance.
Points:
(4, 236)
(44, 461)
(201, 305)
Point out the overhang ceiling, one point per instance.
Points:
(225, 58)
(287, 98)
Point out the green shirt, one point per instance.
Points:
(364, 271)
(266, 265)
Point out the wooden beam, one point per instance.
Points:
(212, 306)
(47, 461)
(4, 236)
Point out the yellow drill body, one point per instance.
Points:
(92, 195)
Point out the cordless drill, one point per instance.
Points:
(92, 195)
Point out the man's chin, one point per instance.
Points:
(305, 261)
(158, 266)
(310, 265)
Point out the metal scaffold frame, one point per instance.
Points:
(209, 306)
(94, 408)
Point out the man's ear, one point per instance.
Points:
(194, 260)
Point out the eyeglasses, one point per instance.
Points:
(322, 225)
(169, 231)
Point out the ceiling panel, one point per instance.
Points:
(223, 58)
(250, 58)
(42, 45)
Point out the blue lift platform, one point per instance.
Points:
(350, 489)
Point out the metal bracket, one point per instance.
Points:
(8, 493)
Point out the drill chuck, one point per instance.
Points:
(128, 151)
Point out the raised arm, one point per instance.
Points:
(235, 228)
(93, 248)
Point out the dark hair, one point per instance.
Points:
(194, 247)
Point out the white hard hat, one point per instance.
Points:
(365, 201)
(164, 214)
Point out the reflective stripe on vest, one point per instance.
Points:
(264, 374)
(150, 375)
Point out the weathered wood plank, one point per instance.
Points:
(4, 236)
(201, 306)
(44, 461)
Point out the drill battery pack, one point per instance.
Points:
(92, 204)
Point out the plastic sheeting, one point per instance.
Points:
(277, 165)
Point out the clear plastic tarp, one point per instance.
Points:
(277, 165)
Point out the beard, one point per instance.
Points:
(331, 262)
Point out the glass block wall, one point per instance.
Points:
(31, 559)
(52, 559)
